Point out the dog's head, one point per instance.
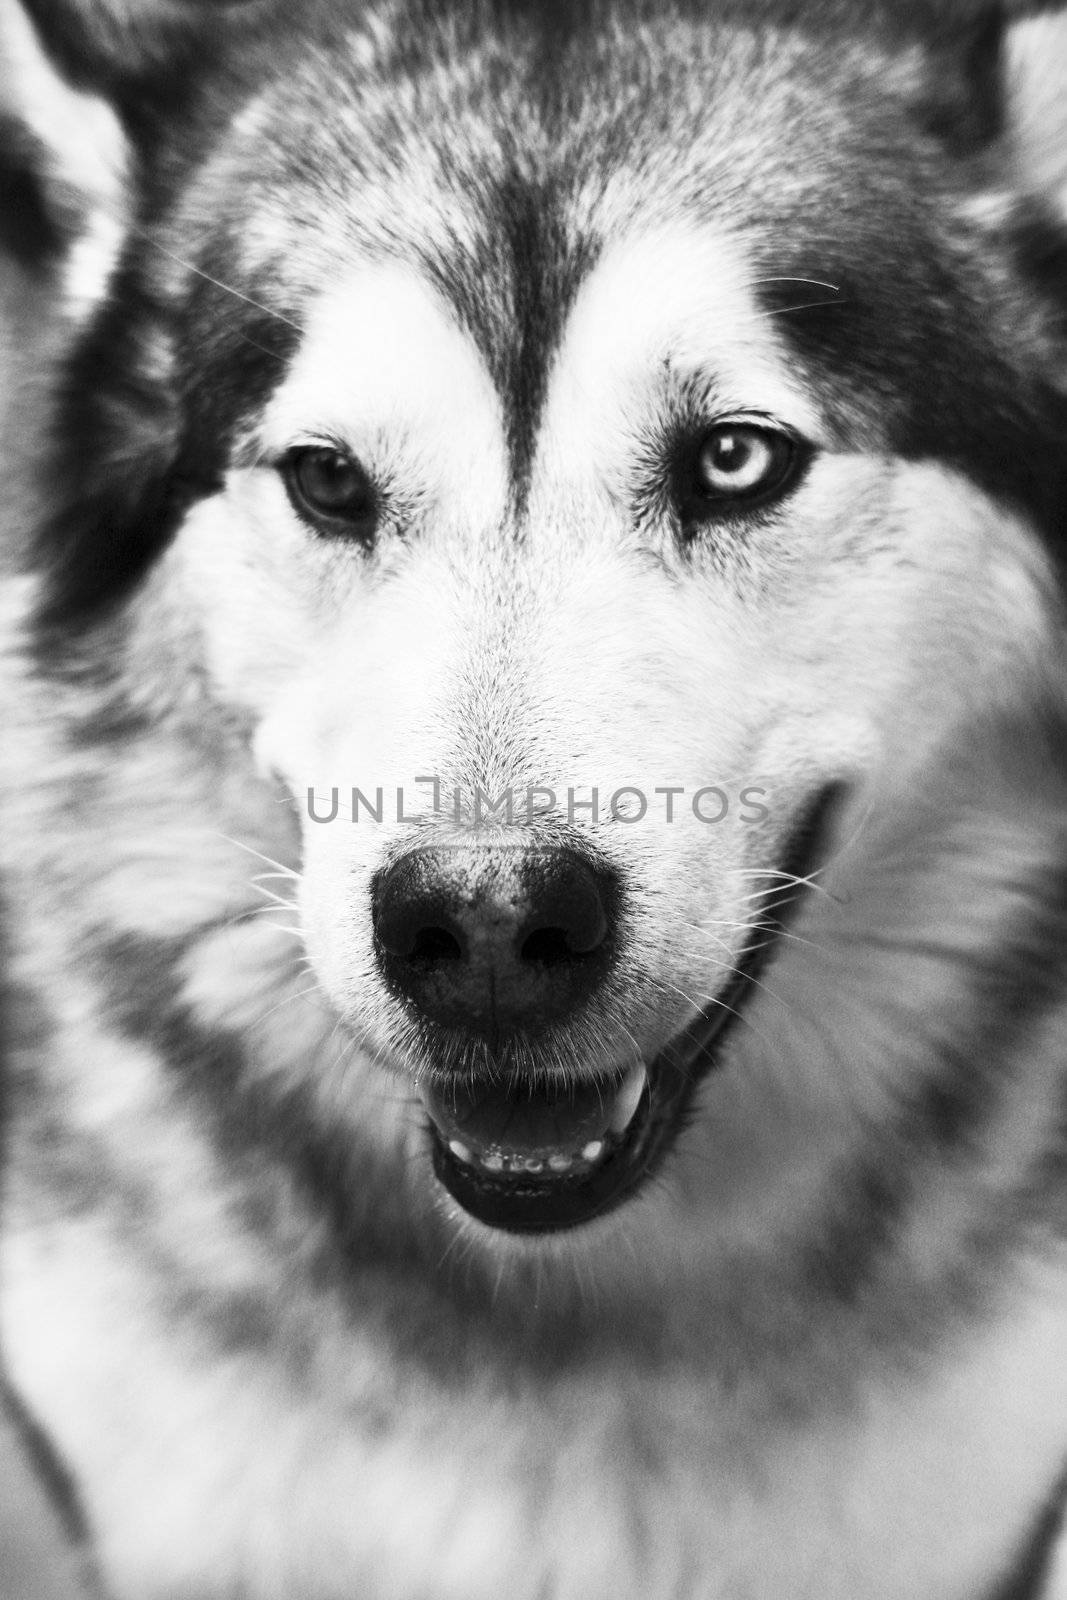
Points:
(581, 457)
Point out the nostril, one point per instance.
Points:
(569, 920)
(435, 944)
(548, 946)
(412, 924)
(551, 947)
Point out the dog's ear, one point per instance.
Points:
(62, 150)
(131, 50)
(85, 87)
(958, 57)
(992, 74)
(992, 86)
(90, 93)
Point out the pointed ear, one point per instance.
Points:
(63, 154)
(127, 50)
(990, 69)
(960, 97)
(90, 93)
(85, 87)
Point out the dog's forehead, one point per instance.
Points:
(392, 363)
(549, 236)
(505, 195)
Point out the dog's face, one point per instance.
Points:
(686, 444)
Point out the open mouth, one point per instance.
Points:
(533, 1157)
(530, 1156)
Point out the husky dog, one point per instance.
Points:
(535, 800)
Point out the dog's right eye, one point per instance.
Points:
(738, 466)
(332, 491)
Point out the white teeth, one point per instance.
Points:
(498, 1161)
(628, 1098)
(623, 1111)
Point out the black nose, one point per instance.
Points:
(494, 939)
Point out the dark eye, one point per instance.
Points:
(740, 462)
(332, 491)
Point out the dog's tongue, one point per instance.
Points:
(520, 1124)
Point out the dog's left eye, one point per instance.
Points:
(332, 491)
(741, 461)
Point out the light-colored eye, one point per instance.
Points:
(743, 461)
(332, 491)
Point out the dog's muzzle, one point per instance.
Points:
(486, 944)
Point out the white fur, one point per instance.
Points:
(250, 1410)
(462, 1500)
(671, 304)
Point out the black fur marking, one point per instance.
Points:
(116, 433)
(154, 397)
(902, 361)
(30, 230)
(524, 253)
(546, 277)
(1039, 243)
(1033, 1566)
(58, 1484)
(1008, 997)
(260, 1132)
(232, 354)
(999, 1005)
(963, 104)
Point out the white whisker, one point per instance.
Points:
(227, 288)
(279, 866)
(817, 283)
